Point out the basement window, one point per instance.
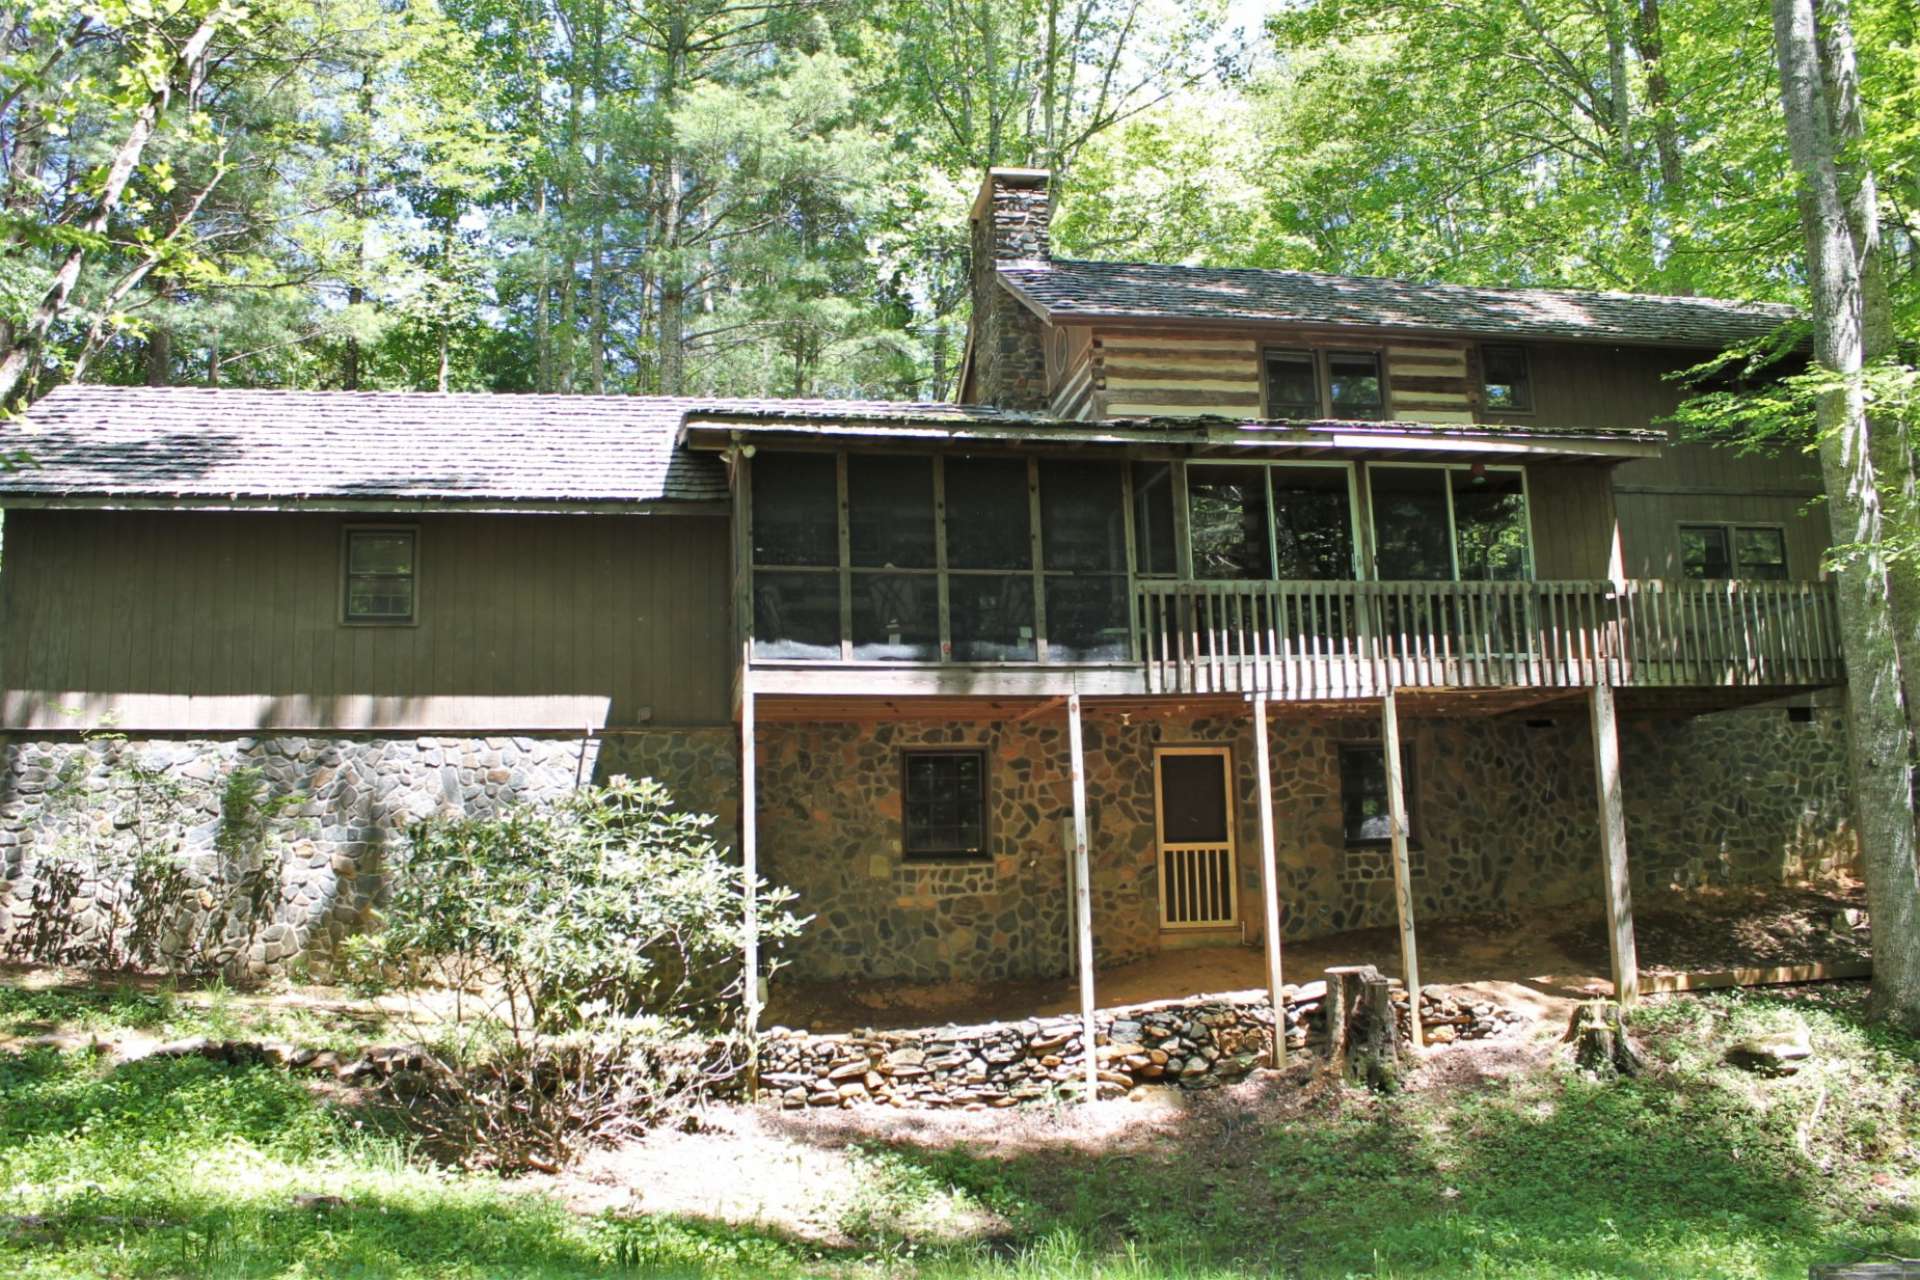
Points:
(1364, 810)
(379, 567)
(943, 804)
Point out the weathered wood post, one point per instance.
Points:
(1083, 895)
(1613, 845)
(1269, 878)
(1402, 871)
(750, 875)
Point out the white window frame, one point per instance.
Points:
(1453, 527)
(1267, 467)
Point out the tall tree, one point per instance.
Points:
(1861, 459)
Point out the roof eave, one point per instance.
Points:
(345, 505)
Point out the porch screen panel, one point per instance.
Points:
(1227, 517)
(1312, 523)
(892, 558)
(796, 556)
(1153, 545)
(1083, 547)
(1490, 526)
(1410, 527)
(989, 535)
(796, 514)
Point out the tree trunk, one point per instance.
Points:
(188, 65)
(1600, 1041)
(1812, 45)
(1363, 1031)
(1666, 140)
(673, 289)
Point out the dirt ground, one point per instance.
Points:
(805, 1174)
(1530, 964)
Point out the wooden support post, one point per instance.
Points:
(1613, 845)
(1269, 878)
(750, 877)
(1083, 895)
(1402, 872)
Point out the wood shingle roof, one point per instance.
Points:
(1072, 291)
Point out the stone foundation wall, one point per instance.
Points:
(1503, 811)
(79, 799)
(1198, 1043)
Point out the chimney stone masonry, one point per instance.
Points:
(1008, 366)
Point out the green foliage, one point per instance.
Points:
(608, 904)
(590, 950)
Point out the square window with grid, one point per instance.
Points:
(380, 567)
(944, 804)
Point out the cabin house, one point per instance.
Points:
(1223, 606)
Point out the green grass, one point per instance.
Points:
(189, 1168)
(215, 1012)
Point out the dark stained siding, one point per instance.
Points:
(223, 621)
(1600, 386)
(1571, 512)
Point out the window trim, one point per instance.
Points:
(1355, 531)
(1409, 788)
(1732, 528)
(950, 857)
(1526, 361)
(347, 532)
(1453, 527)
(1318, 353)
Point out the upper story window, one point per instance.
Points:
(1305, 384)
(378, 570)
(1757, 552)
(1506, 383)
(1450, 523)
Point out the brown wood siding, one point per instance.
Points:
(226, 621)
(1599, 386)
(1571, 510)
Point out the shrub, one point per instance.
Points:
(582, 968)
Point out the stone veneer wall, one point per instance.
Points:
(361, 794)
(1504, 817)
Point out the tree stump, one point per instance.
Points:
(1600, 1041)
(1363, 1031)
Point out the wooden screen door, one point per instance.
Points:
(1193, 795)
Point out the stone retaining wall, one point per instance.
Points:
(79, 799)
(1198, 1043)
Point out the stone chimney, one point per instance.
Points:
(1008, 368)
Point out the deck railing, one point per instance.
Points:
(1308, 640)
